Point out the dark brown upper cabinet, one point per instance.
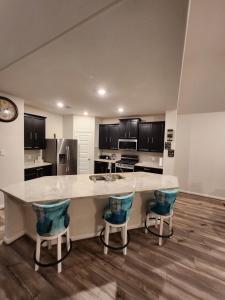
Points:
(34, 132)
(108, 136)
(151, 136)
(128, 128)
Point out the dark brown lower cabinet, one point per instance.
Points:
(33, 173)
(103, 167)
(149, 170)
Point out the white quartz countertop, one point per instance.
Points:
(36, 165)
(106, 160)
(149, 164)
(50, 188)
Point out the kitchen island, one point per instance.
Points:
(88, 200)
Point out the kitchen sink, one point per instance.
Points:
(106, 177)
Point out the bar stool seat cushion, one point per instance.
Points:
(163, 202)
(118, 209)
(115, 217)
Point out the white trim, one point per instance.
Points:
(183, 55)
(203, 195)
(12, 239)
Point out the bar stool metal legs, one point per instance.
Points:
(124, 236)
(106, 235)
(161, 219)
(41, 239)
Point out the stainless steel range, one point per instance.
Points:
(127, 163)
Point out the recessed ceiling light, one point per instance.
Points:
(101, 92)
(86, 113)
(120, 109)
(60, 104)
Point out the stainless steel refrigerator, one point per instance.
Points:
(62, 153)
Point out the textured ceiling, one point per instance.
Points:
(132, 48)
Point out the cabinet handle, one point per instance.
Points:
(35, 136)
(152, 140)
(31, 135)
(148, 139)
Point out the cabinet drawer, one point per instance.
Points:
(149, 170)
(33, 173)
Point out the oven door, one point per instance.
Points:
(127, 144)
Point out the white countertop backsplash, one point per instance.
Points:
(146, 159)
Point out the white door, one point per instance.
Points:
(85, 153)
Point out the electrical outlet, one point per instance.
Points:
(99, 228)
(2, 152)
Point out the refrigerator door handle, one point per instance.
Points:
(66, 159)
(68, 147)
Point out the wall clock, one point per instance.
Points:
(8, 110)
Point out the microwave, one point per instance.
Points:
(127, 144)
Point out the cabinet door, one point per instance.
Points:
(101, 167)
(28, 132)
(157, 136)
(144, 137)
(123, 129)
(30, 174)
(133, 129)
(103, 137)
(113, 136)
(39, 133)
(113, 168)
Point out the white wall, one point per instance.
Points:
(153, 118)
(54, 122)
(68, 127)
(200, 157)
(12, 144)
(170, 123)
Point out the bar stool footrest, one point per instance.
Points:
(166, 236)
(54, 262)
(111, 247)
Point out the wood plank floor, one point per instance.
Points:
(190, 265)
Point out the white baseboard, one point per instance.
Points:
(203, 195)
(12, 239)
(86, 235)
(91, 235)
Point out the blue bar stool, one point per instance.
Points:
(161, 210)
(52, 223)
(116, 215)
